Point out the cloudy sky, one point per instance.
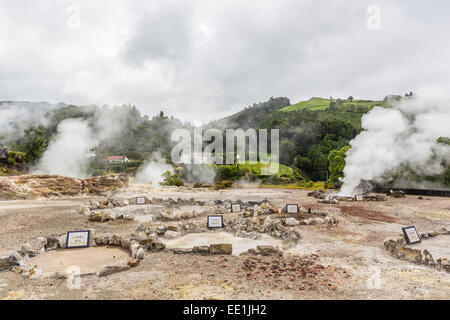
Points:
(200, 60)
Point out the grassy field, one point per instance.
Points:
(311, 104)
(314, 186)
(316, 103)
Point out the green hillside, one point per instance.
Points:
(311, 104)
(320, 104)
(308, 131)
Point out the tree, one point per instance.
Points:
(336, 159)
(302, 163)
(319, 163)
(443, 140)
(35, 144)
(350, 98)
(287, 152)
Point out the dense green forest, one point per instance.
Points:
(314, 136)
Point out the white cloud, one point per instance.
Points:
(199, 60)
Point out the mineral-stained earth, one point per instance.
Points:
(337, 254)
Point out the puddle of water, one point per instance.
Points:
(203, 239)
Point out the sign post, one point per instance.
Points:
(141, 200)
(411, 235)
(236, 207)
(77, 239)
(292, 208)
(215, 222)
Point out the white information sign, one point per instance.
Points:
(141, 200)
(411, 234)
(292, 208)
(236, 207)
(77, 239)
(215, 221)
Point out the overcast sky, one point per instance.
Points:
(200, 60)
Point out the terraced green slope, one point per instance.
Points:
(316, 103)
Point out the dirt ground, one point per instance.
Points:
(345, 261)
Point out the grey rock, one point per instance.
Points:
(182, 250)
(267, 250)
(52, 243)
(221, 248)
(291, 222)
(10, 260)
(112, 269)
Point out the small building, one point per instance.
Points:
(117, 159)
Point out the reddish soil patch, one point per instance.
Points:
(292, 273)
(362, 212)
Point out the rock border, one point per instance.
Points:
(398, 249)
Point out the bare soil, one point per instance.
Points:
(346, 261)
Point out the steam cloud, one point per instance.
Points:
(68, 153)
(152, 170)
(404, 135)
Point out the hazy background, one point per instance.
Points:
(201, 60)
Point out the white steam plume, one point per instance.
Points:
(68, 153)
(153, 169)
(403, 135)
(202, 173)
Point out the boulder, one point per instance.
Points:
(115, 215)
(40, 245)
(172, 228)
(105, 216)
(291, 222)
(62, 241)
(27, 250)
(12, 259)
(96, 216)
(85, 210)
(203, 250)
(171, 234)
(102, 240)
(128, 216)
(135, 246)
(182, 250)
(160, 230)
(52, 243)
(221, 248)
(247, 214)
(133, 263)
(115, 241)
(250, 251)
(427, 258)
(267, 250)
(140, 253)
(409, 254)
(390, 245)
(112, 269)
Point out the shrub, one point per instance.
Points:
(172, 179)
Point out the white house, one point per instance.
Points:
(117, 159)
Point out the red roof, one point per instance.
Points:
(115, 158)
